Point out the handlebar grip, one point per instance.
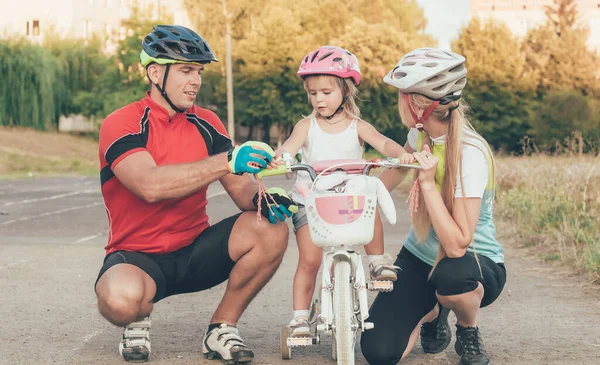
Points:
(280, 170)
(397, 161)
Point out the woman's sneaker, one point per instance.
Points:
(224, 342)
(299, 327)
(135, 344)
(436, 335)
(470, 346)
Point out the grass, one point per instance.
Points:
(26, 153)
(554, 202)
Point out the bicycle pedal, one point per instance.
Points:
(380, 285)
(299, 341)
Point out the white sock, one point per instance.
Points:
(371, 258)
(302, 313)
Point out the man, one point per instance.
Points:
(158, 156)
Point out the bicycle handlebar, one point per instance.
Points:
(284, 169)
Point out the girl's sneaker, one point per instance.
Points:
(383, 269)
(135, 344)
(299, 327)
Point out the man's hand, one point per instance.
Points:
(280, 204)
(250, 157)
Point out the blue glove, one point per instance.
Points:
(249, 157)
(281, 205)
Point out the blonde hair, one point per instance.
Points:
(455, 115)
(349, 92)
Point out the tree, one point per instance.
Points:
(271, 39)
(563, 113)
(557, 53)
(499, 86)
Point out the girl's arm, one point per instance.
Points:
(455, 232)
(381, 143)
(296, 139)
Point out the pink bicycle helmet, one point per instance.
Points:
(331, 60)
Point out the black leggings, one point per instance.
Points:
(396, 314)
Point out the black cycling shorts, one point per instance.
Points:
(395, 314)
(203, 264)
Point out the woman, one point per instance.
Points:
(450, 259)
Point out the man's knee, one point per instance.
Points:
(273, 237)
(122, 303)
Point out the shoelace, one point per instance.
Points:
(263, 194)
(470, 342)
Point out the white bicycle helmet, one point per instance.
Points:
(433, 72)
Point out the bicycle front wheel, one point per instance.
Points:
(343, 312)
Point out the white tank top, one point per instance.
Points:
(322, 146)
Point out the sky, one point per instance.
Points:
(445, 18)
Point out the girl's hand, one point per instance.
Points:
(278, 160)
(428, 164)
(406, 158)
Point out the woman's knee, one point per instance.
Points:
(381, 351)
(377, 355)
(453, 276)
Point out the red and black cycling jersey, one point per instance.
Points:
(165, 226)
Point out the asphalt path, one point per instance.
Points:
(52, 234)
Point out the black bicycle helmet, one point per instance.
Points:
(167, 44)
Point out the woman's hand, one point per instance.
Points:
(428, 164)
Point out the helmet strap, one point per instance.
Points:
(163, 92)
(419, 120)
(338, 110)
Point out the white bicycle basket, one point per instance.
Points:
(336, 219)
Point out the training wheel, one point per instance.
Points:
(286, 350)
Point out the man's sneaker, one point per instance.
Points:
(470, 346)
(299, 327)
(224, 342)
(383, 270)
(135, 344)
(436, 335)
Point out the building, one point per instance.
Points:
(79, 18)
(522, 15)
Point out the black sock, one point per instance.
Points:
(213, 326)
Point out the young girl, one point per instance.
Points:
(332, 131)
(450, 256)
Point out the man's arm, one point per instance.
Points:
(152, 183)
(241, 189)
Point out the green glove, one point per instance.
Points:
(250, 157)
(281, 205)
